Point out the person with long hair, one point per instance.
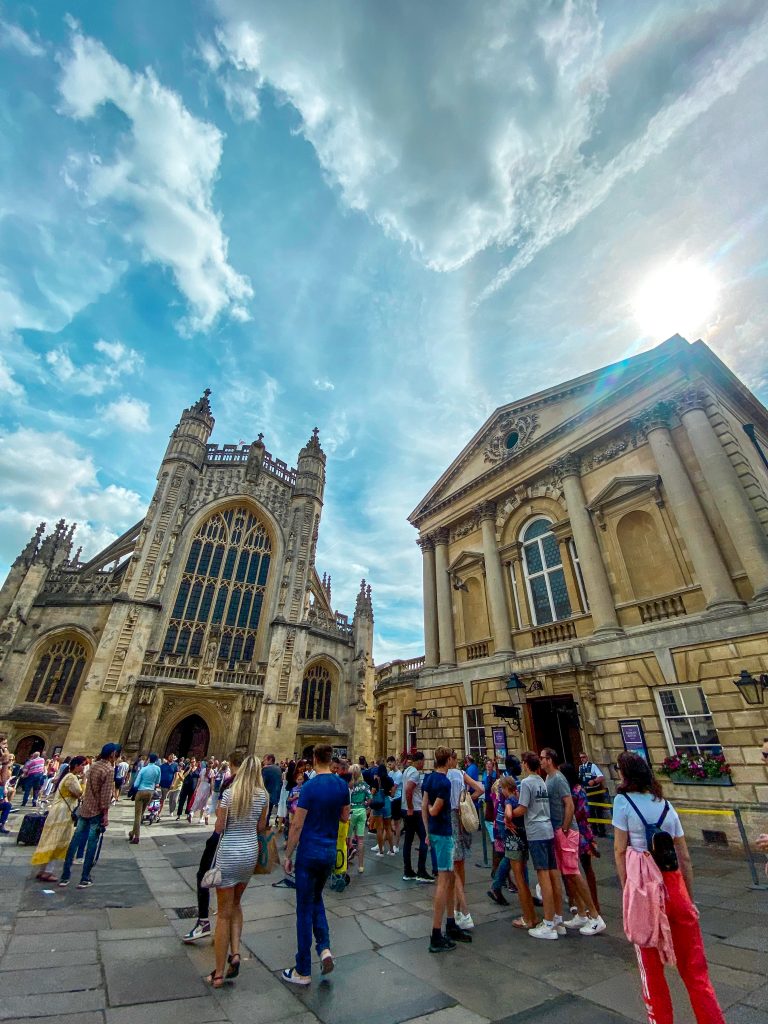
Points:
(360, 797)
(587, 845)
(652, 879)
(60, 823)
(241, 814)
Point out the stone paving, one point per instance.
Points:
(111, 954)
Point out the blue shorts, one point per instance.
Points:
(387, 812)
(542, 853)
(443, 847)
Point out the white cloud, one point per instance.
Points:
(164, 168)
(444, 130)
(9, 386)
(323, 384)
(94, 378)
(46, 476)
(14, 37)
(128, 413)
(233, 58)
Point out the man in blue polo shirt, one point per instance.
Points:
(169, 769)
(146, 781)
(323, 803)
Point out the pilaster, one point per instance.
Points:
(446, 634)
(497, 599)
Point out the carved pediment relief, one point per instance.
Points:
(511, 434)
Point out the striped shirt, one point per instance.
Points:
(34, 766)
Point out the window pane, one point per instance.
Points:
(536, 529)
(669, 703)
(202, 568)
(533, 558)
(560, 594)
(704, 731)
(695, 701)
(682, 733)
(551, 551)
(194, 551)
(542, 611)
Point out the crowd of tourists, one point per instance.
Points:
(535, 810)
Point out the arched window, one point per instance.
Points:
(544, 575)
(316, 690)
(58, 671)
(222, 588)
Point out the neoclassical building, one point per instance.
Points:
(595, 573)
(204, 628)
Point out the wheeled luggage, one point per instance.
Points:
(31, 829)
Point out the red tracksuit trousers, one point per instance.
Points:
(691, 962)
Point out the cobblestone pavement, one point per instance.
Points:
(111, 954)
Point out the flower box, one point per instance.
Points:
(682, 779)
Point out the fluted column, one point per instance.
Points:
(601, 605)
(722, 479)
(711, 572)
(427, 546)
(494, 578)
(444, 603)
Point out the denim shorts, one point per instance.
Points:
(542, 854)
(443, 847)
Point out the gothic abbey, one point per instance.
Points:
(205, 627)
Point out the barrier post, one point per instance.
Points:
(484, 830)
(756, 883)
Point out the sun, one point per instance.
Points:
(676, 298)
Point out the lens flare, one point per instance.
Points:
(676, 298)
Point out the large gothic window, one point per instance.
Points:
(222, 588)
(544, 575)
(58, 672)
(316, 690)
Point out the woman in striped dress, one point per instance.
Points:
(241, 814)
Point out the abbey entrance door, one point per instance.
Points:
(190, 738)
(554, 722)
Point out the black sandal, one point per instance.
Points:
(213, 978)
(234, 968)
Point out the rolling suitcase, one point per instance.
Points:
(31, 829)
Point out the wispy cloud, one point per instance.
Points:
(14, 37)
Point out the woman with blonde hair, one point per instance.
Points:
(240, 815)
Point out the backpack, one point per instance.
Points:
(661, 845)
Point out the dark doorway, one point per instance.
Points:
(307, 752)
(27, 746)
(555, 723)
(190, 738)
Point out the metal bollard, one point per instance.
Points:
(756, 883)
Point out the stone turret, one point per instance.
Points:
(192, 433)
(310, 469)
(21, 564)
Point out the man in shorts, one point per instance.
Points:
(436, 813)
(533, 802)
(396, 797)
(414, 823)
(586, 920)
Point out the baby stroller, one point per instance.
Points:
(340, 879)
(152, 810)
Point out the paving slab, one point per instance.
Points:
(47, 1004)
(277, 948)
(51, 923)
(747, 1015)
(44, 944)
(371, 988)
(203, 1010)
(469, 977)
(139, 949)
(145, 915)
(151, 980)
(734, 956)
(565, 1008)
(56, 958)
(74, 978)
(120, 934)
(257, 997)
(451, 1015)
(379, 934)
(755, 937)
(93, 1017)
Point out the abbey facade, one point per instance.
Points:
(595, 575)
(205, 628)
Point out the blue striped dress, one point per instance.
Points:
(239, 844)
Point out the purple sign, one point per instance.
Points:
(633, 737)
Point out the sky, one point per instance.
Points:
(385, 220)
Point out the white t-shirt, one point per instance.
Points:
(456, 779)
(625, 818)
(412, 774)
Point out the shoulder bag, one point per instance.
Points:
(467, 813)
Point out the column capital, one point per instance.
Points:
(691, 398)
(567, 465)
(486, 510)
(441, 535)
(426, 543)
(657, 417)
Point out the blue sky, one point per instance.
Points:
(385, 220)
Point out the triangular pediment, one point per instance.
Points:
(466, 560)
(622, 487)
(516, 430)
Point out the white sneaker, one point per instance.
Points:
(392, 852)
(374, 848)
(543, 931)
(594, 926)
(464, 921)
(379, 853)
(202, 930)
(576, 922)
(360, 871)
(395, 849)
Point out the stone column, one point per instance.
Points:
(494, 578)
(601, 605)
(711, 572)
(444, 602)
(722, 479)
(429, 582)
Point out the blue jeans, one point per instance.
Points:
(32, 784)
(311, 875)
(91, 827)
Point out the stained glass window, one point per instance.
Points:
(58, 672)
(544, 573)
(223, 585)
(316, 687)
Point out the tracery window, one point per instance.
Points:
(222, 589)
(58, 672)
(544, 576)
(316, 689)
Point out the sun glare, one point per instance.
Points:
(676, 298)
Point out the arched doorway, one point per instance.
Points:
(190, 738)
(27, 746)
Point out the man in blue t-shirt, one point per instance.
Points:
(436, 812)
(323, 803)
(168, 771)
